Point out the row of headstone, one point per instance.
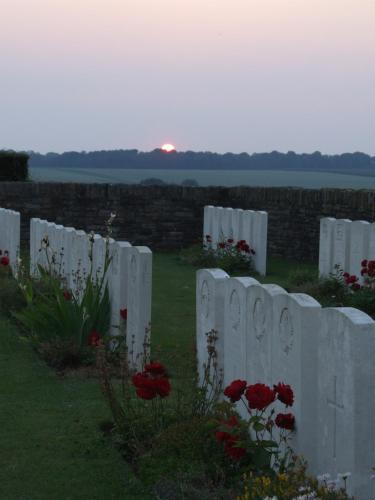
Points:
(250, 225)
(345, 243)
(73, 255)
(10, 222)
(267, 335)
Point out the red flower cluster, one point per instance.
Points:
(4, 261)
(285, 421)
(259, 396)
(94, 339)
(152, 382)
(351, 281)
(242, 246)
(124, 314)
(235, 390)
(284, 393)
(230, 439)
(368, 268)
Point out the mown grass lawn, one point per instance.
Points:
(51, 444)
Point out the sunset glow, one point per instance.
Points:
(168, 148)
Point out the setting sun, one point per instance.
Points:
(168, 148)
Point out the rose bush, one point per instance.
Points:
(255, 441)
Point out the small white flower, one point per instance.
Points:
(333, 484)
(323, 477)
(344, 475)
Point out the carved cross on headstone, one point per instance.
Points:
(336, 406)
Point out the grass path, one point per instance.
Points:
(51, 446)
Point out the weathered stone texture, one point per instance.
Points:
(170, 217)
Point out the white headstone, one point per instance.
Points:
(139, 303)
(117, 282)
(226, 228)
(208, 221)
(259, 332)
(216, 226)
(345, 437)
(371, 243)
(341, 244)
(247, 227)
(237, 221)
(210, 293)
(294, 362)
(10, 236)
(235, 328)
(326, 246)
(259, 242)
(359, 240)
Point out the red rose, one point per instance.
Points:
(230, 240)
(221, 245)
(371, 264)
(145, 393)
(67, 295)
(364, 271)
(284, 393)
(94, 338)
(155, 368)
(259, 396)
(285, 421)
(233, 451)
(162, 386)
(150, 384)
(225, 435)
(144, 385)
(364, 263)
(235, 390)
(124, 314)
(356, 286)
(4, 261)
(346, 275)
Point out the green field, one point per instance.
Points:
(205, 177)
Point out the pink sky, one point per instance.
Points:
(240, 75)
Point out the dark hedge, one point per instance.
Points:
(13, 166)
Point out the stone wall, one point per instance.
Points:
(170, 217)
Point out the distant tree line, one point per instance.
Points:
(158, 159)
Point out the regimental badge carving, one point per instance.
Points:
(286, 331)
(259, 319)
(205, 300)
(339, 231)
(234, 310)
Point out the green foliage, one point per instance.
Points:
(232, 262)
(11, 297)
(290, 486)
(59, 322)
(302, 276)
(363, 299)
(13, 166)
